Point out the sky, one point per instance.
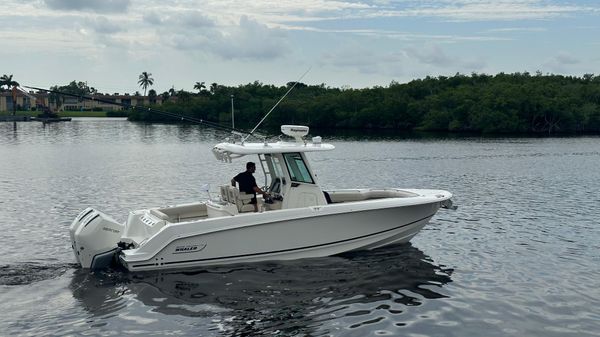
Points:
(348, 44)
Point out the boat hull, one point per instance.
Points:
(283, 235)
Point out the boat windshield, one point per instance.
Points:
(276, 167)
(297, 167)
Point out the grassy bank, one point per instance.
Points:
(82, 114)
(18, 113)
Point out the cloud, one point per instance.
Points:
(100, 6)
(450, 10)
(191, 19)
(153, 18)
(400, 35)
(561, 62)
(246, 39)
(416, 60)
(517, 29)
(251, 40)
(487, 10)
(195, 19)
(562, 59)
(566, 58)
(367, 40)
(364, 60)
(102, 25)
(432, 55)
(183, 30)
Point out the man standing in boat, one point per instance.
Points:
(247, 183)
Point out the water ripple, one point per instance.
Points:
(27, 272)
(519, 257)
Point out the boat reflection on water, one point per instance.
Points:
(301, 296)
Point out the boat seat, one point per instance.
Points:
(240, 199)
(367, 194)
(159, 214)
(180, 212)
(224, 193)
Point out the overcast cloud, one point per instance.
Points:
(102, 6)
(371, 42)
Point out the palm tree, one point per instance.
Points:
(9, 83)
(55, 98)
(145, 81)
(199, 86)
(213, 88)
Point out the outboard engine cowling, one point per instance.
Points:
(94, 238)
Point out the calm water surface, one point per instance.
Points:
(520, 257)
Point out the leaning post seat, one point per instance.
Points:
(224, 190)
(240, 199)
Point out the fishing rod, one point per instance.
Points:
(143, 109)
(251, 133)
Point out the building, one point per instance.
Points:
(121, 102)
(40, 101)
(23, 102)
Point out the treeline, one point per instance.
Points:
(502, 103)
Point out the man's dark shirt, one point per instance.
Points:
(246, 182)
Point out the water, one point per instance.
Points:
(520, 257)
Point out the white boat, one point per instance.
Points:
(300, 221)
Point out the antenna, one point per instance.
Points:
(276, 104)
(232, 115)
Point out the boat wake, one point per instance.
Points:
(29, 272)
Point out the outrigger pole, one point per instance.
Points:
(251, 133)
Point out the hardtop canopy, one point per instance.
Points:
(228, 151)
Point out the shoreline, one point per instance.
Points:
(26, 116)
